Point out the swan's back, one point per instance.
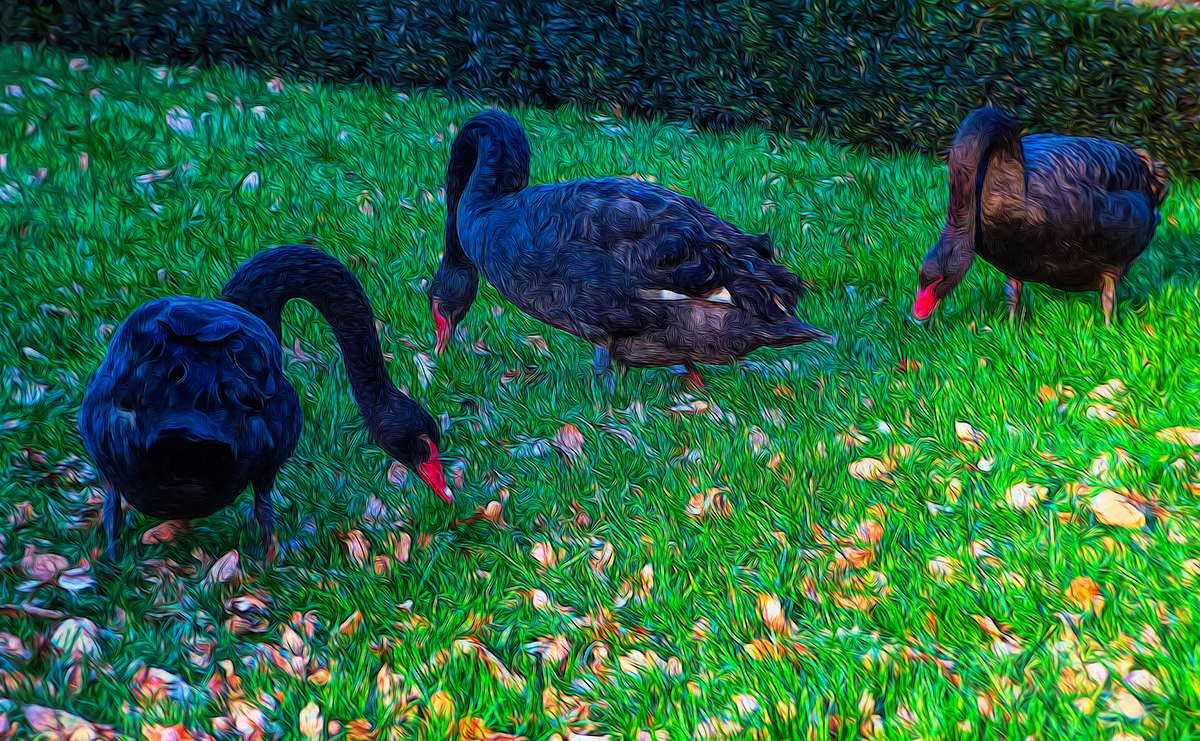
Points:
(189, 402)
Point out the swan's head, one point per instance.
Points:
(941, 271)
(410, 436)
(453, 292)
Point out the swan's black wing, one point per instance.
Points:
(587, 251)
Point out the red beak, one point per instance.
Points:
(926, 302)
(443, 330)
(432, 473)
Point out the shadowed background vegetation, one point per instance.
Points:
(884, 74)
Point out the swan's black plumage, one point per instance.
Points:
(190, 405)
(593, 257)
(1071, 212)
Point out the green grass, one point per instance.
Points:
(82, 248)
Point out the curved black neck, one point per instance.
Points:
(266, 282)
(488, 160)
(984, 132)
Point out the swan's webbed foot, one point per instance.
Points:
(602, 366)
(111, 517)
(264, 514)
(1108, 297)
(1012, 292)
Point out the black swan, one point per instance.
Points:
(647, 276)
(190, 405)
(1070, 212)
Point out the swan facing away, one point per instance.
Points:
(1070, 212)
(190, 405)
(647, 276)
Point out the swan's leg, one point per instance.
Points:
(264, 513)
(111, 516)
(1108, 297)
(692, 379)
(1012, 291)
(602, 365)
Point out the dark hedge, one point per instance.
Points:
(884, 74)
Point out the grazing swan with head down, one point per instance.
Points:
(190, 406)
(647, 276)
(1071, 212)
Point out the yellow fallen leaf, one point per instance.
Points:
(770, 611)
(1189, 436)
(544, 554)
(968, 435)
(1085, 593)
(1111, 389)
(870, 469)
(869, 531)
(1126, 704)
(441, 704)
(1024, 495)
(1114, 509)
(312, 725)
(942, 568)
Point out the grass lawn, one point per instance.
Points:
(679, 570)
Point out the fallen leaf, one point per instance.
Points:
(869, 531)
(225, 569)
(10, 645)
(968, 435)
(710, 501)
(164, 531)
(1189, 436)
(403, 547)
(544, 554)
(1140, 679)
(250, 182)
(79, 64)
(350, 625)
(1126, 704)
(43, 567)
(1108, 390)
(275, 85)
(59, 725)
(177, 732)
(746, 705)
(770, 611)
(152, 685)
(551, 649)
(1114, 509)
(441, 704)
(499, 671)
(942, 568)
(357, 547)
(76, 637)
(398, 475)
(870, 469)
(570, 441)
(1084, 593)
(312, 725)
(1024, 495)
(179, 120)
(696, 406)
